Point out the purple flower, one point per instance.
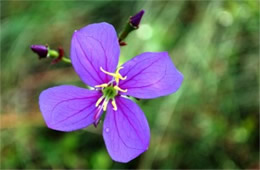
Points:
(94, 54)
(41, 50)
(136, 19)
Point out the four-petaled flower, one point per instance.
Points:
(94, 54)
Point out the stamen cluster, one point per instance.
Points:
(110, 90)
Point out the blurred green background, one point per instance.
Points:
(211, 122)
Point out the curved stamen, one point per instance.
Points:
(116, 75)
(114, 104)
(119, 89)
(105, 104)
(108, 73)
(99, 100)
(102, 85)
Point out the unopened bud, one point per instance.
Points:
(136, 19)
(41, 50)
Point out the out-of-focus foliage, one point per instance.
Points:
(211, 122)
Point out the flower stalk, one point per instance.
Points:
(58, 56)
(46, 52)
(128, 28)
(132, 24)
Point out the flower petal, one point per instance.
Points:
(125, 131)
(92, 47)
(68, 108)
(150, 75)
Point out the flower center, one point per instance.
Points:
(110, 90)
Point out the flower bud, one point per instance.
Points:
(136, 19)
(41, 50)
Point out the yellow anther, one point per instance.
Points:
(105, 105)
(116, 75)
(114, 104)
(119, 89)
(102, 85)
(99, 100)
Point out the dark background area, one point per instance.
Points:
(211, 122)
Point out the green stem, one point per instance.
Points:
(55, 54)
(66, 60)
(128, 28)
